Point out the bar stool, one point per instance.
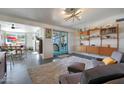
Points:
(10, 56)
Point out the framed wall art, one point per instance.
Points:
(48, 33)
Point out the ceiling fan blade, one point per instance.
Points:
(78, 13)
(77, 17)
(67, 18)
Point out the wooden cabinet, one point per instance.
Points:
(93, 49)
(106, 51)
(83, 48)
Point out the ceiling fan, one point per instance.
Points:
(14, 27)
(72, 13)
(119, 19)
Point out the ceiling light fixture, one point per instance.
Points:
(63, 12)
(72, 13)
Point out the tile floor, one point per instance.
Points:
(18, 74)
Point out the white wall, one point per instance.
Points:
(1, 37)
(76, 41)
(121, 36)
(29, 40)
(70, 42)
(1, 40)
(47, 46)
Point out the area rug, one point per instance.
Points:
(50, 72)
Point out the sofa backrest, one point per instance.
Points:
(102, 71)
(122, 59)
(117, 56)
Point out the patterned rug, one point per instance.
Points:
(50, 72)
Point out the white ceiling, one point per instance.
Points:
(54, 16)
(19, 28)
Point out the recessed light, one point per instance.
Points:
(63, 12)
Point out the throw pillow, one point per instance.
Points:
(109, 60)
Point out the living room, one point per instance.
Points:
(72, 43)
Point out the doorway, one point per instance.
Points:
(60, 43)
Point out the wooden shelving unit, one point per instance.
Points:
(110, 33)
(102, 35)
(95, 34)
(84, 36)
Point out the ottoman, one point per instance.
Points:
(76, 67)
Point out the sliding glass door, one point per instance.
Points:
(60, 42)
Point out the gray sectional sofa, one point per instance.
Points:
(101, 73)
(109, 74)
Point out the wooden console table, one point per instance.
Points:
(3, 65)
(107, 51)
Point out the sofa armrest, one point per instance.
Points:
(73, 78)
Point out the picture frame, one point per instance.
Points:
(48, 33)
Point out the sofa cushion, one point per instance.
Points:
(96, 63)
(76, 67)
